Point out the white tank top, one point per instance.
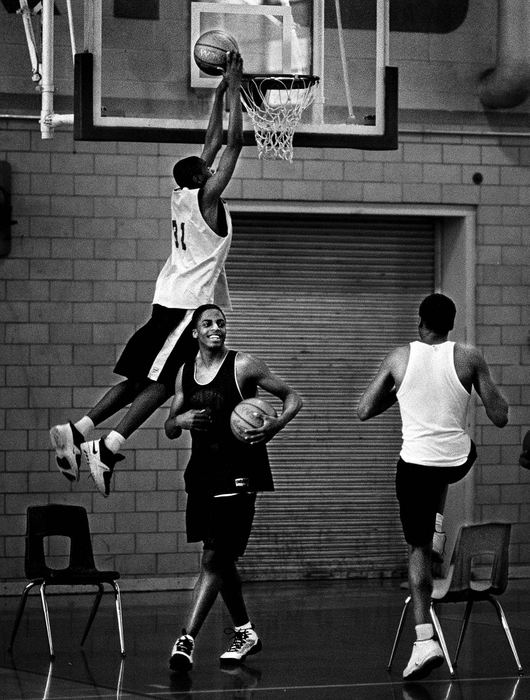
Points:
(433, 405)
(194, 273)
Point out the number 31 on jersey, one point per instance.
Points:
(176, 234)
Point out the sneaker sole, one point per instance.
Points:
(64, 455)
(234, 661)
(424, 670)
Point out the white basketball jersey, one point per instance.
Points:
(433, 405)
(194, 273)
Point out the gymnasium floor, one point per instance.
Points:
(321, 640)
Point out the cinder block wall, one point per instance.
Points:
(90, 237)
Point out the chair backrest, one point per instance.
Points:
(57, 520)
(486, 541)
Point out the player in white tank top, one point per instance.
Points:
(194, 273)
(432, 379)
(202, 232)
(433, 405)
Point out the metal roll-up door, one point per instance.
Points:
(322, 299)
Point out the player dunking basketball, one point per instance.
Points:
(223, 474)
(432, 379)
(193, 274)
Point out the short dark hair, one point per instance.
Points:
(199, 312)
(184, 170)
(438, 313)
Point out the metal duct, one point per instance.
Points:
(508, 84)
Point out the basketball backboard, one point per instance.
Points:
(137, 80)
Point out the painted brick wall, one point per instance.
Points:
(90, 237)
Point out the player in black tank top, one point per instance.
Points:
(223, 473)
(220, 463)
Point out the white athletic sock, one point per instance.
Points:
(114, 441)
(424, 632)
(85, 425)
(439, 522)
(246, 626)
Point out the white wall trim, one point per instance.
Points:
(455, 264)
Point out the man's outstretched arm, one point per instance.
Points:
(216, 184)
(213, 139)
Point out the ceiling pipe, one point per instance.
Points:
(47, 85)
(508, 84)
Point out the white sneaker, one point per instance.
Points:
(244, 642)
(181, 658)
(426, 655)
(66, 441)
(100, 460)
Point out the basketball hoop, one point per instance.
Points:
(275, 104)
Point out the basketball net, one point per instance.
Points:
(275, 105)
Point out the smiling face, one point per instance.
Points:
(210, 329)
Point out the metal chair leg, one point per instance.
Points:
(93, 612)
(20, 610)
(47, 618)
(513, 696)
(504, 623)
(398, 632)
(119, 684)
(441, 639)
(49, 678)
(119, 616)
(463, 628)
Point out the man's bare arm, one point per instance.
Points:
(495, 404)
(177, 421)
(254, 371)
(213, 139)
(171, 428)
(216, 184)
(380, 394)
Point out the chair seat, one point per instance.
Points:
(440, 587)
(77, 577)
(481, 586)
(476, 590)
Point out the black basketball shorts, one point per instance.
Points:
(222, 523)
(419, 490)
(145, 345)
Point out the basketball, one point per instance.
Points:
(244, 416)
(210, 51)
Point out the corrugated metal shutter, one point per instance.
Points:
(322, 299)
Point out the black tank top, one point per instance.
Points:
(219, 462)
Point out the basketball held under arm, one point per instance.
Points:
(253, 372)
(291, 402)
